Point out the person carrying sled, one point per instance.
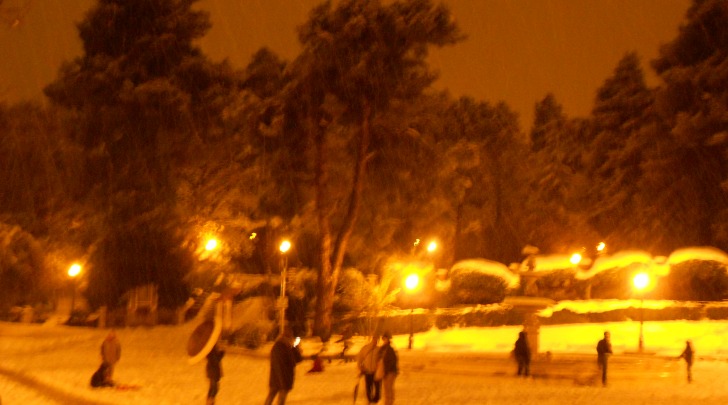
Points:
(213, 369)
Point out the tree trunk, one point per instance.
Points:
(332, 259)
(322, 318)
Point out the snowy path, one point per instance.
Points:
(52, 365)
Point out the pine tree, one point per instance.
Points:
(142, 91)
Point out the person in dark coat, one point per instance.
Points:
(523, 354)
(100, 378)
(214, 371)
(604, 350)
(688, 354)
(283, 359)
(388, 356)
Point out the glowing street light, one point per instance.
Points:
(411, 283)
(575, 259)
(73, 272)
(601, 247)
(284, 247)
(641, 281)
(431, 247)
(211, 244)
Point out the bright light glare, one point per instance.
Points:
(285, 245)
(601, 246)
(432, 246)
(641, 281)
(575, 258)
(412, 281)
(211, 244)
(74, 270)
(253, 236)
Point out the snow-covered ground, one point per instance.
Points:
(42, 364)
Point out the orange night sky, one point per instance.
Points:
(516, 51)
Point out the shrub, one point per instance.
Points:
(696, 280)
(476, 288)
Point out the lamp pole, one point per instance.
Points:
(411, 283)
(73, 272)
(641, 281)
(282, 301)
(641, 343)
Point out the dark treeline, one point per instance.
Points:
(146, 145)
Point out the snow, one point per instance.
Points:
(488, 267)
(698, 253)
(53, 364)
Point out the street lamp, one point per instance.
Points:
(411, 283)
(575, 258)
(74, 271)
(641, 281)
(283, 302)
(211, 244)
(601, 248)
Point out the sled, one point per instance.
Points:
(204, 337)
(127, 387)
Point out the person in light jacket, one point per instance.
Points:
(110, 354)
(367, 362)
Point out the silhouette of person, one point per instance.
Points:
(688, 355)
(523, 354)
(604, 350)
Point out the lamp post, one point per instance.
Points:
(641, 281)
(411, 283)
(73, 273)
(282, 301)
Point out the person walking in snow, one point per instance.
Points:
(688, 355)
(283, 359)
(604, 350)
(523, 354)
(110, 354)
(367, 362)
(213, 369)
(389, 359)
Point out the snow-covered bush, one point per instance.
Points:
(22, 269)
(353, 292)
(479, 281)
(695, 280)
(558, 285)
(476, 288)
